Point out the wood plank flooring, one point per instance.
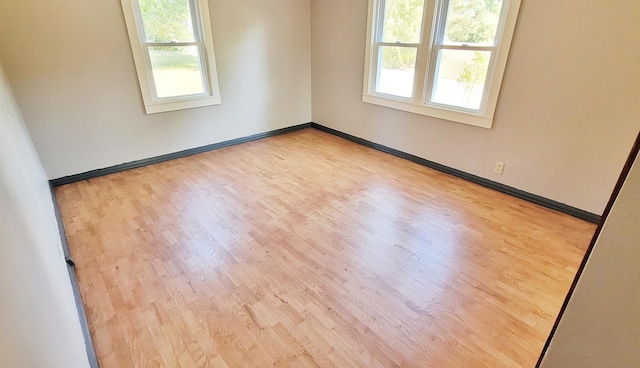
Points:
(306, 250)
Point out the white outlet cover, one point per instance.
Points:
(60, 250)
(6, 112)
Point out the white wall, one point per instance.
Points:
(567, 115)
(72, 72)
(600, 327)
(39, 325)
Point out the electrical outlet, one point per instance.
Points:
(499, 168)
(60, 250)
(6, 112)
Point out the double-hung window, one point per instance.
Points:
(442, 58)
(173, 53)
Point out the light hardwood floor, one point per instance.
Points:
(307, 250)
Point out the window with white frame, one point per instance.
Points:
(173, 53)
(442, 58)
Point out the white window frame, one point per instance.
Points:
(432, 33)
(204, 42)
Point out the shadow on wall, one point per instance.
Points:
(39, 325)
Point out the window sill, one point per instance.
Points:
(441, 113)
(180, 104)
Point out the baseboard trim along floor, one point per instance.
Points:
(542, 201)
(84, 325)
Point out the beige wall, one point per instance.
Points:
(600, 326)
(563, 126)
(39, 325)
(72, 72)
(567, 115)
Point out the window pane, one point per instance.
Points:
(402, 21)
(396, 71)
(460, 78)
(167, 20)
(176, 71)
(472, 22)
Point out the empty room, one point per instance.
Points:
(319, 183)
